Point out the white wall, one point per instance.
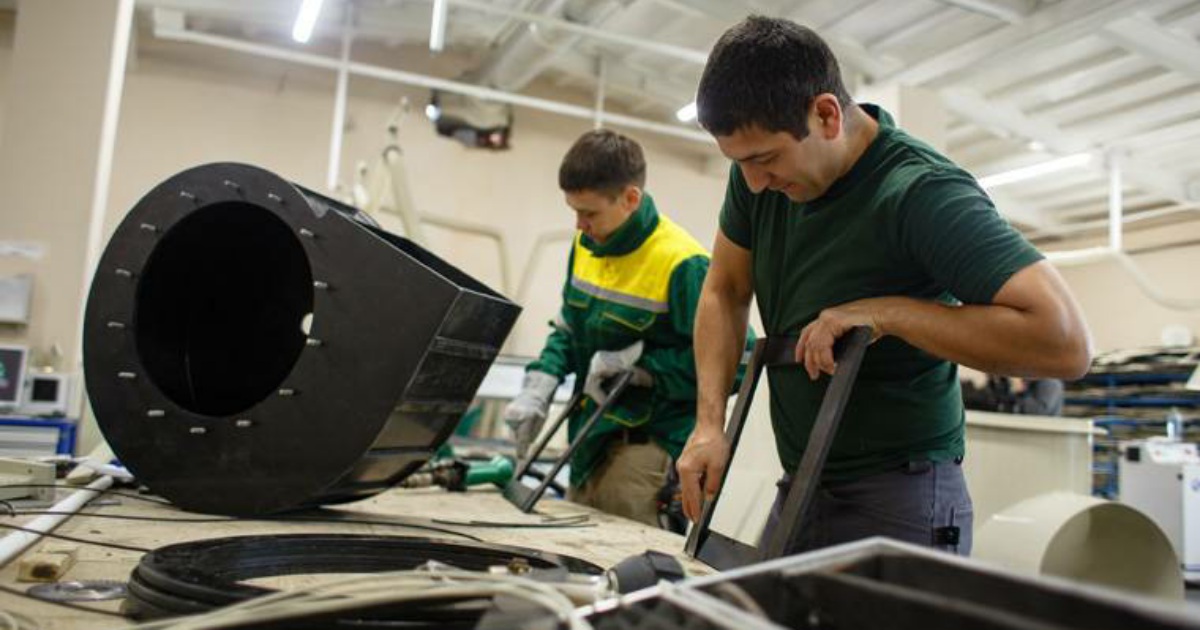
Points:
(1119, 312)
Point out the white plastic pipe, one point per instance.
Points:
(1115, 248)
(403, 206)
(1083, 538)
(16, 543)
(339, 107)
(601, 87)
(1116, 204)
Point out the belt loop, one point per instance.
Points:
(918, 467)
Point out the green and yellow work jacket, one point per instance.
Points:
(642, 283)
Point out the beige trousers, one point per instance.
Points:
(627, 482)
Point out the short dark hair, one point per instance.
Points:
(766, 72)
(602, 161)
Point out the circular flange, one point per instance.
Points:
(194, 577)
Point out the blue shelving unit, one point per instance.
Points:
(1124, 413)
(64, 427)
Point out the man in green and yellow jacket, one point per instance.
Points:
(629, 303)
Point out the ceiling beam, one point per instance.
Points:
(1130, 120)
(625, 78)
(1149, 141)
(1011, 11)
(690, 55)
(849, 52)
(1009, 121)
(1067, 81)
(1019, 212)
(1142, 35)
(920, 26)
(986, 113)
(1118, 93)
(1046, 28)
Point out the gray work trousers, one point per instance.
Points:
(908, 504)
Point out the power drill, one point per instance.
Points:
(456, 475)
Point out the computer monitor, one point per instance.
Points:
(12, 375)
(47, 394)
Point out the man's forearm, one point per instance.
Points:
(719, 337)
(992, 338)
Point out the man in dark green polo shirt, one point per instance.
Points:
(834, 218)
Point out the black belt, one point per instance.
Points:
(632, 436)
(915, 467)
(921, 467)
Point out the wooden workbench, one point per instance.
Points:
(606, 541)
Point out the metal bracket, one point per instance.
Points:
(723, 552)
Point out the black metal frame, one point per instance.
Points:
(524, 497)
(723, 552)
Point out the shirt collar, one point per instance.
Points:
(630, 235)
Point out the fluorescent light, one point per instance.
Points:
(687, 113)
(437, 26)
(306, 20)
(1037, 170)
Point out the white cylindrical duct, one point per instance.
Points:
(1083, 538)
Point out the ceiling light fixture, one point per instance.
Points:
(1074, 160)
(306, 20)
(687, 113)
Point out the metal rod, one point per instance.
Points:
(1115, 202)
(16, 543)
(339, 103)
(698, 57)
(601, 82)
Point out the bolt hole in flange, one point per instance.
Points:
(223, 308)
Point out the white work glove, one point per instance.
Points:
(526, 414)
(609, 363)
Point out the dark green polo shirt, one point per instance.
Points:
(905, 221)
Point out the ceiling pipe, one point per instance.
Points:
(601, 84)
(339, 102)
(1115, 248)
(1115, 203)
(434, 83)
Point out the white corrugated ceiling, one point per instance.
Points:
(1024, 81)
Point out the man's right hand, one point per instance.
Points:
(526, 414)
(701, 466)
